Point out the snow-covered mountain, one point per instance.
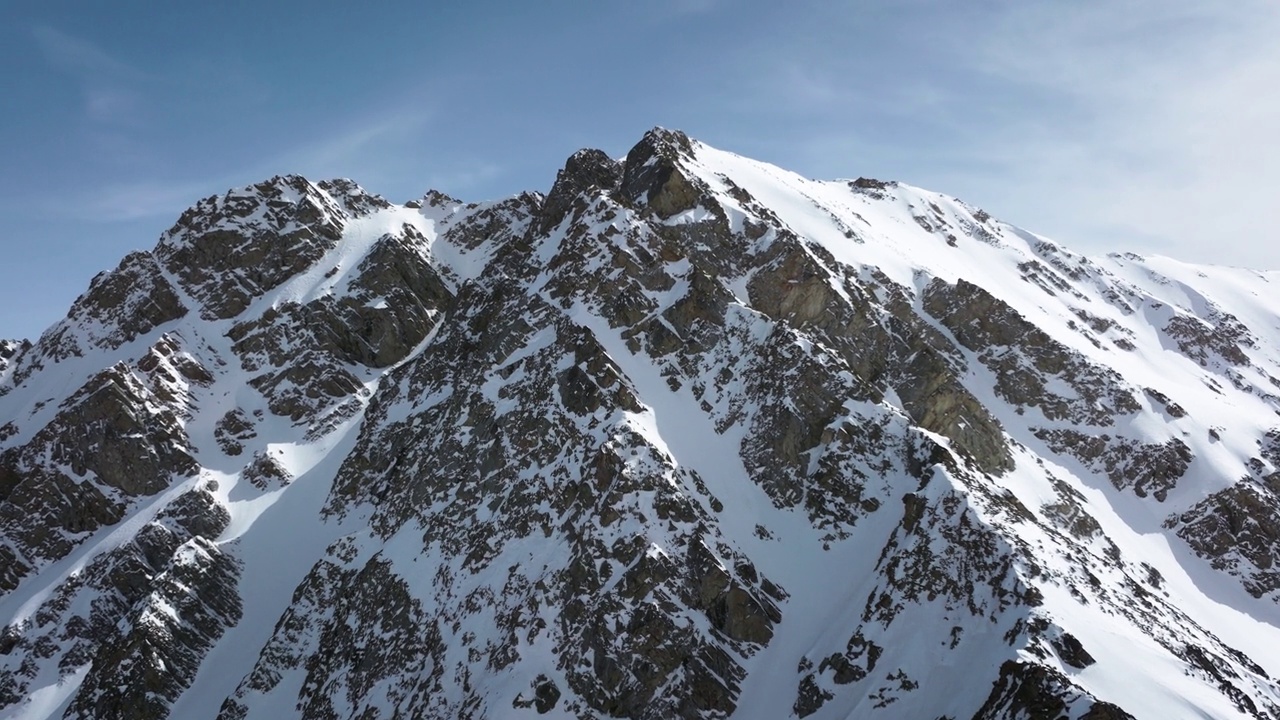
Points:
(690, 436)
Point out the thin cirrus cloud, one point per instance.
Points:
(465, 176)
(362, 146)
(1142, 125)
(115, 95)
(109, 86)
(1162, 138)
(142, 182)
(346, 151)
(134, 201)
(80, 56)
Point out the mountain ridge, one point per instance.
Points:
(597, 453)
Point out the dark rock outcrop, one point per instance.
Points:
(1238, 531)
(1034, 691)
(227, 250)
(626, 451)
(111, 442)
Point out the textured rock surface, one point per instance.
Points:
(227, 250)
(112, 441)
(1034, 691)
(690, 436)
(1239, 529)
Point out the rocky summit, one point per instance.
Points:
(688, 436)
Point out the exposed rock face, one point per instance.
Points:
(227, 250)
(265, 472)
(653, 177)
(585, 172)
(233, 430)
(118, 307)
(1024, 358)
(9, 349)
(690, 437)
(112, 441)
(140, 616)
(1220, 338)
(192, 600)
(618, 596)
(1148, 468)
(1035, 691)
(1239, 530)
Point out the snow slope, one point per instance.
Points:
(690, 436)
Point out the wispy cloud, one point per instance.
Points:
(79, 56)
(1111, 124)
(458, 177)
(1161, 125)
(362, 143)
(109, 86)
(359, 142)
(134, 201)
(365, 149)
(803, 85)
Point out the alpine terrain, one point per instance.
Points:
(689, 436)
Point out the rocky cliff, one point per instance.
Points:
(689, 436)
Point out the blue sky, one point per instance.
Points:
(1145, 125)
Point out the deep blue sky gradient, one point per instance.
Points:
(1118, 125)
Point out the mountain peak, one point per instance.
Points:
(227, 249)
(9, 348)
(9, 351)
(653, 175)
(662, 142)
(692, 436)
(585, 172)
